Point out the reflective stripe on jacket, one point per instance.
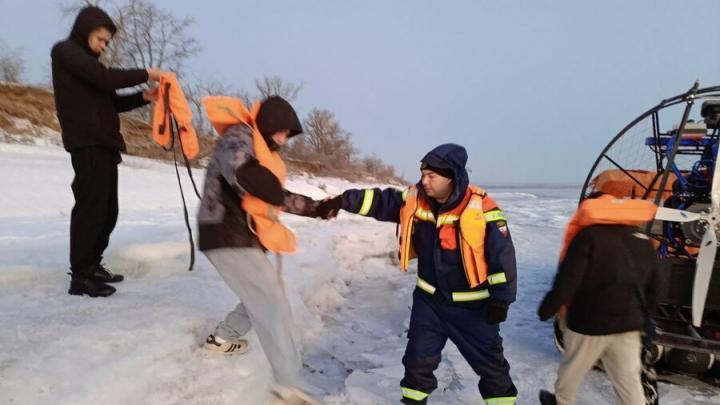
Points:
(434, 242)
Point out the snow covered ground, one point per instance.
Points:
(142, 345)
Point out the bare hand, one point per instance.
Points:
(150, 95)
(154, 74)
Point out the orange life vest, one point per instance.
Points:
(224, 112)
(171, 100)
(469, 215)
(607, 210)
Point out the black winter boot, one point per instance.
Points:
(547, 398)
(101, 274)
(81, 284)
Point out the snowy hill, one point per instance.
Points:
(142, 345)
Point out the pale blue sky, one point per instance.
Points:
(534, 89)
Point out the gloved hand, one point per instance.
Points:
(329, 207)
(496, 312)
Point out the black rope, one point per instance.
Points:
(173, 133)
(187, 162)
(166, 117)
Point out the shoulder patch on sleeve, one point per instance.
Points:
(502, 227)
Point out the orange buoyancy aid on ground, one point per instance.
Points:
(224, 112)
(607, 210)
(470, 215)
(172, 101)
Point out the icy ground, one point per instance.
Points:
(141, 346)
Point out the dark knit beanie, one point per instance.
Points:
(445, 172)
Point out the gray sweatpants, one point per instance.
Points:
(620, 356)
(263, 305)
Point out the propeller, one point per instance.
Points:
(708, 246)
(703, 272)
(673, 215)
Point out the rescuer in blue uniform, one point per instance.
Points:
(466, 277)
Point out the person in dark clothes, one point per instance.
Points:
(609, 278)
(87, 107)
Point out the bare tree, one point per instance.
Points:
(371, 164)
(147, 36)
(202, 88)
(70, 8)
(297, 148)
(12, 64)
(386, 172)
(327, 140)
(277, 86)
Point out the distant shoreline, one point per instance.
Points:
(530, 185)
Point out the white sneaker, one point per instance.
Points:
(220, 345)
(285, 395)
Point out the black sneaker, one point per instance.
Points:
(547, 398)
(102, 274)
(80, 285)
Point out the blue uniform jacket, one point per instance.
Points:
(439, 267)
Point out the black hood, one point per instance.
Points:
(276, 114)
(88, 19)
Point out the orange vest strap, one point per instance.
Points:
(225, 111)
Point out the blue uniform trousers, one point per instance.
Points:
(433, 320)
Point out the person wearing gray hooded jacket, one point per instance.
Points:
(236, 253)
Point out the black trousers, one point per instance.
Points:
(95, 212)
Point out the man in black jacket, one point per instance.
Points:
(609, 278)
(87, 108)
